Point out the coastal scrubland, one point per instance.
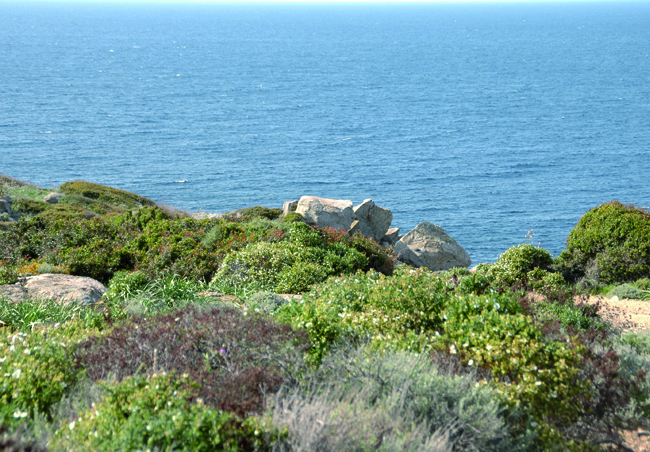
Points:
(256, 332)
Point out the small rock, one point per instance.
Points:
(50, 286)
(53, 198)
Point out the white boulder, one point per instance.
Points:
(428, 245)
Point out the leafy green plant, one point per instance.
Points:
(292, 217)
(158, 412)
(610, 244)
(404, 310)
(515, 264)
(35, 370)
(105, 194)
(258, 212)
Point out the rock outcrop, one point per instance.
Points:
(390, 238)
(324, 212)
(5, 204)
(53, 198)
(50, 286)
(371, 220)
(428, 245)
(288, 207)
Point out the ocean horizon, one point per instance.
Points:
(489, 119)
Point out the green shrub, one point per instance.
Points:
(639, 341)
(258, 212)
(626, 291)
(24, 206)
(98, 207)
(404, 310)
(643, 284)
(35, 371)
(5, 217)
(292, 217)
(264, 302)
(157, 413)
(514, 265)
(105, 194)
(308, 257)
(582, 317)
(476, 284)
(610, 244)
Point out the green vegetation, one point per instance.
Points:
(610, 244)
(105, 194)
(194, 348)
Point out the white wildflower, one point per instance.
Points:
(20, 414)
(16, 373)
(71, 425)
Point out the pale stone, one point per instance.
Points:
(49, 286)
(372, 221)
(288, 207)
(324, 212)
(428, 245)
(53, 198)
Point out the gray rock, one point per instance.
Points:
(53, 198)
(390, 238)
(5, 204)
(333, 213)
(49, 286)
(372, 221)
(428, 245)
(288, 207)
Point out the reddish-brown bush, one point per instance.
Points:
(234, 359)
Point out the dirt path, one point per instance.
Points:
(627, 315)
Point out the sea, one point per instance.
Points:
(501, 122)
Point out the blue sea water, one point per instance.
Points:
(489, 119)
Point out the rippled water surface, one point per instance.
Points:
(488, 119)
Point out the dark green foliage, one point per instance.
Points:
(105, 194)
(292, 217)
(258, 212)
(233, 358)
(610, 244)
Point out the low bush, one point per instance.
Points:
(516, 264)
(258, 212)
(234, 359)
(308, 257)
(157, 413)
(108, 195)
(610, 244)
(626, 291)
(362, 400)
(292, 217)
(35, 371)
